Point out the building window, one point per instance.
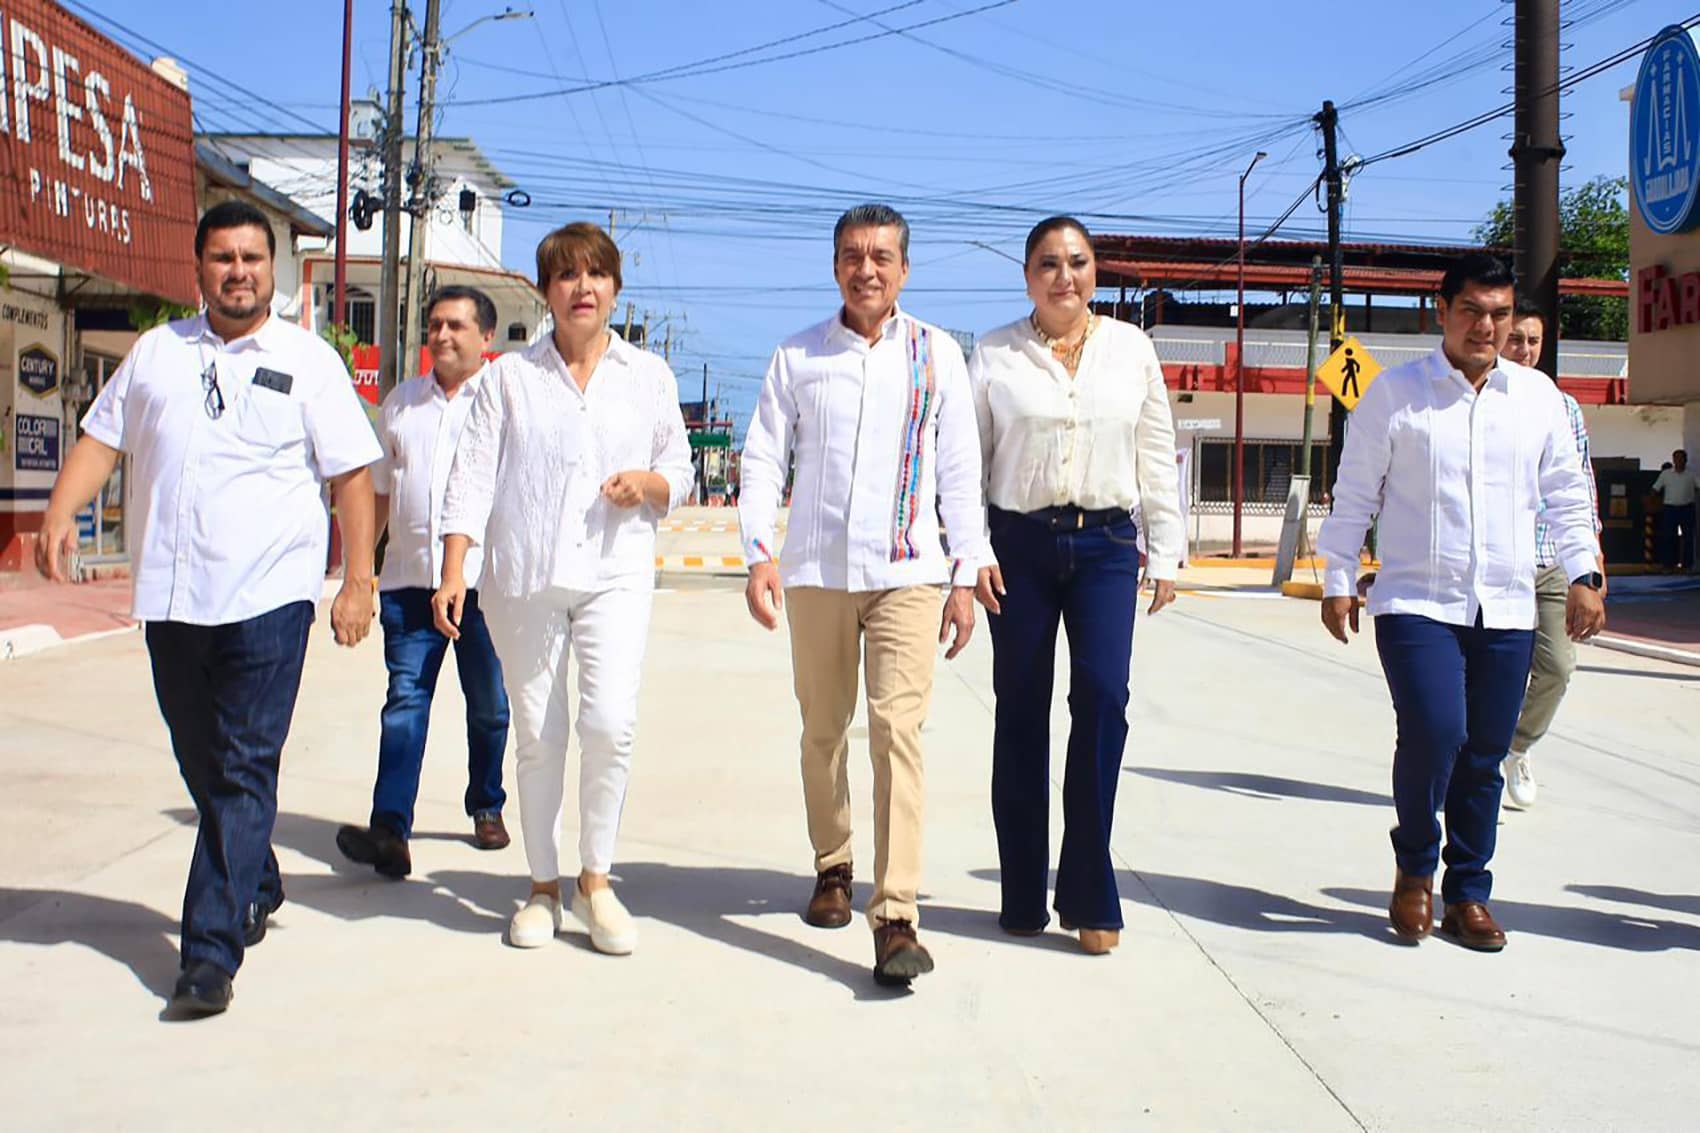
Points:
(363, 315)
(1269, 468)
(516, 332)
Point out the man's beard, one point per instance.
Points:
(242, 309)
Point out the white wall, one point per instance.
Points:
(1646, 433)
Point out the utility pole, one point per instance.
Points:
(1329, 121)
(422, 203)
(1537, 151)
(706, 420)
(389, 280)
(339, 299)
(1310, 361)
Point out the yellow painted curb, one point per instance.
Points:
(1311, 590)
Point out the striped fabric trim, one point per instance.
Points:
(922, 387)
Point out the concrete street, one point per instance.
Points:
(1257, 987)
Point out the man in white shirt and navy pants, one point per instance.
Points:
(876, 408)
(234, 421)
(1454, 453)
(419, 426)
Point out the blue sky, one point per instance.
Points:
(726, 176)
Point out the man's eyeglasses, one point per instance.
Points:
(215, 397)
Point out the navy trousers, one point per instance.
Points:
(414, 650)
(227, 693)
(1457, 691)
(1088, 580)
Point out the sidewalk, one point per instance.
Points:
(36, 614)
(1654, 616)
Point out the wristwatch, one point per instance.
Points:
(1593, 580)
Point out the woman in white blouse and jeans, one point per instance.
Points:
(1076, 433)
(574, 449)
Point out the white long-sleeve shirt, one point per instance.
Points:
(1457, 476)
(528, 473)
(1101, 439)
(885, 445)
(419, 429)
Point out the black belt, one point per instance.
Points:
(1071, 518)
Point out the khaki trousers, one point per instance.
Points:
(897, 632)
(1555, 659)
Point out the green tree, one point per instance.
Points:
(1593, 244)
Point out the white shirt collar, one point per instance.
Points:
(1441, 368)
(468, 389)
(887, 329)
(203, 332)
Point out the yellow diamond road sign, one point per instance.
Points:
(1348, 371)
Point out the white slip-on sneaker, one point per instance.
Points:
(611, 928)
(537, 923)
(1519, 781)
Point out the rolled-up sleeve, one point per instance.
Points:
(471, 491)
(1358, 491)
(765, 462)
(670, 453)
(960, 480)
(1159, 485)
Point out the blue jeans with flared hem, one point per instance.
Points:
(1087, 581)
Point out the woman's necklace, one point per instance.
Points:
(1061, 349)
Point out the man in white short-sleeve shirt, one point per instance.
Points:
(234, 421)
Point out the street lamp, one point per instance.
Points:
(504, 14)
(1239, 371)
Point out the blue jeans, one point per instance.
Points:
(1457, 691)
(413, 652)
(1089, 581)
(227, 693)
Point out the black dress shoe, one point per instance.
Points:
(377, 846)
(254, 923)
(202, 989)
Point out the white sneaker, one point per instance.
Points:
(611, 927)
(1519, 781)
(537, 923)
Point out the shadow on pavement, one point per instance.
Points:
(142, 939)
(1671, 902)
(703, 899)
(1236, 906)
(1269, 787)
(1561, 922)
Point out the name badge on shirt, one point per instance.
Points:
(273, 380)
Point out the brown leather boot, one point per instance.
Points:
(489, 832)
(1412, 907)
(1470, 924)
(830, 905)
(898, 955)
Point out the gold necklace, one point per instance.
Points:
(1060, 349)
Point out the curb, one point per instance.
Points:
(1649, 649)
(1308, 590)
(700, 564)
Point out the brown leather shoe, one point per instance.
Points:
(830, 905)
(898, 955)
(489, 832)
(1412, 907)
(1470, 924)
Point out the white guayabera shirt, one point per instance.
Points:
(1457, 476)
(420, 429)
(885, 446)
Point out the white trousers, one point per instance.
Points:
(605, 631)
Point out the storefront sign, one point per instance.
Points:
(1664, 135)
(37, 447)
(96, 153)
(38, 370)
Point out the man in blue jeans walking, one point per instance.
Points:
(1455, 452)
(234, 421)
(420, 426)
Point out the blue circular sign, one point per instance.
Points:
(1664, 134)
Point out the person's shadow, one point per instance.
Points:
(141, 939)
(1562, 922)
(1670, 902)
(1234, 906)
(1269, 787)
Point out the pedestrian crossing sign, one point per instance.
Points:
(1348, 372)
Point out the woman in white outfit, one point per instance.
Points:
(574, 449)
